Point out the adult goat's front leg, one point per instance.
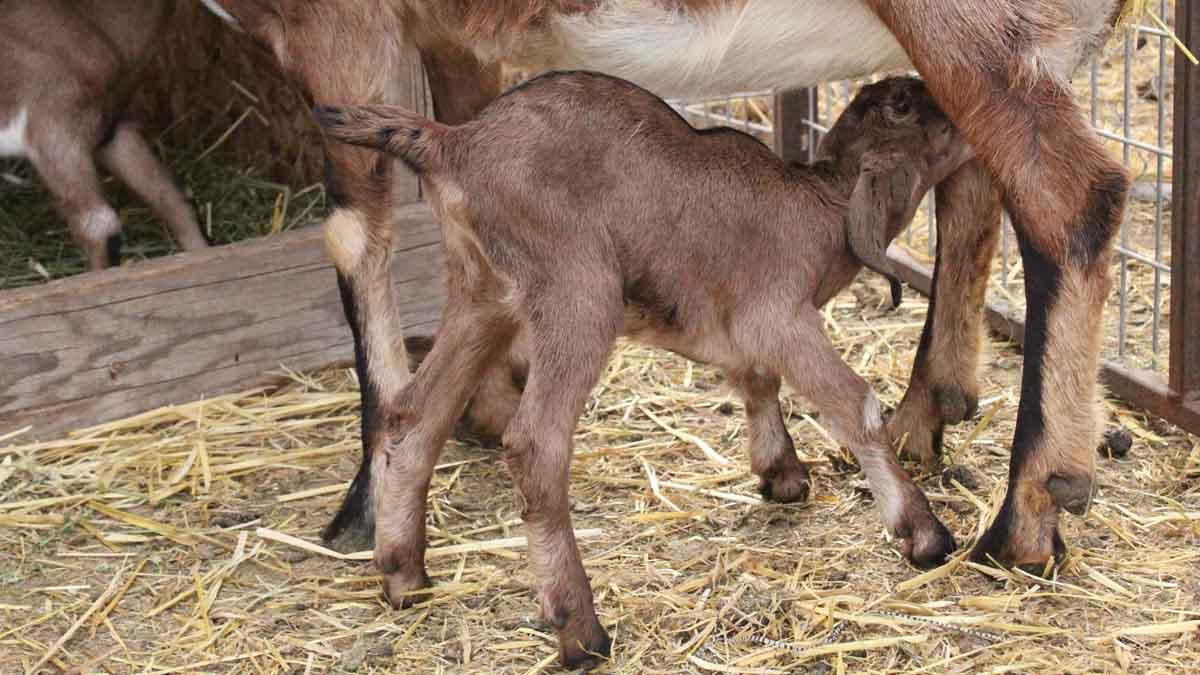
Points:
(944, 387)
(995, 73)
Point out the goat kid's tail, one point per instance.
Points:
(412, 138)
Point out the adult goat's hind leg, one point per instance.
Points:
(944, 386)
(1066, 197)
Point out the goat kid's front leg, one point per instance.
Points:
(944, 387)
(852, 414)
(416, 427)
(128, 157)
(782, 477)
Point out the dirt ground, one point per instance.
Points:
(140, 542)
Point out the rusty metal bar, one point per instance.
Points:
(1144, 389)
(796, 111)
(1185, 222)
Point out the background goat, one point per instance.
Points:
(757, 248)
(69, 70)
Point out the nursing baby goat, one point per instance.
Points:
(579, 207)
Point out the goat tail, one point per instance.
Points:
(394, 130)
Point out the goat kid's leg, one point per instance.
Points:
(460, 86)
(63, 159)
(569, 349)
(129, 158)
(944, 388)
(1066, 197)
(851, 411)
(782, 478)
(416, 427)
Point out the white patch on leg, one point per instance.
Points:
(886, 486)
(220, 12)
(758, 43)
(99, 224)
(872, 413)
(346, 239)
(12, 135)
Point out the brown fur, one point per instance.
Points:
(92, 53)
(571, 267)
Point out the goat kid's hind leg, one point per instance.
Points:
(850, 409)
(782, 477)
(944, 387)
(1066, 196)
(63, 159)
(416, 428)
(129, 157)
(570, 340)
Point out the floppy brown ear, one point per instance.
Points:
(884, 199)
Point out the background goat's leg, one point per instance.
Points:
(129, 158)
(569, 343)
(944, 388)
(850, 411)
(417, 427)
(782, 478)
(1066, 196)
(69, 172)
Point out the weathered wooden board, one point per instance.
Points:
(105, 345)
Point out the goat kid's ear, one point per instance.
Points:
(882, 203)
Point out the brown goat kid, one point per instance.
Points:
(69, 70)
(579, 207)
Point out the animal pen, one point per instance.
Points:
(174, 433)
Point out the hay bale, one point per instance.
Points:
(207, 78)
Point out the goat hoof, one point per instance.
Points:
(920, 432)
(1028, 541)
(954, 404)
(785, 487)
(586, 648)
(930, 546)
(400, 588)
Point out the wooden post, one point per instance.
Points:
(1185, 221)
(795, 139)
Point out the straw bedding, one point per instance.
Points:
(185, 540)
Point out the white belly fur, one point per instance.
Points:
(12, 135)
(765, 43)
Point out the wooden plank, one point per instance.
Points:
(105, 345)
(1141, 388)
(1185, 223)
